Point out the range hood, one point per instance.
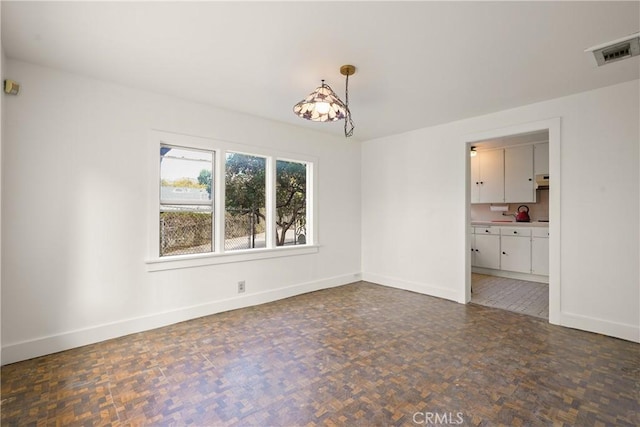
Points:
(542, 182)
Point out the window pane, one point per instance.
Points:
(291, 203)
(186, 202)
(185, 229)
(244, 202)
(185, 175)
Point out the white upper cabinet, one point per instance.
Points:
(474, 164)
(541, 158)
(518, 174)
(487, 177)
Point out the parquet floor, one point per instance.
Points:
(356, 355)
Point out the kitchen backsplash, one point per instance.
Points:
(537, 211)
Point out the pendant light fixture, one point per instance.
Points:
(323, 105)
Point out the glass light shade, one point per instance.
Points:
(322, 105)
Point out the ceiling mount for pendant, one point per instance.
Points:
(323, 105)
(347, 70)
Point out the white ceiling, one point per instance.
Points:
(419, 63)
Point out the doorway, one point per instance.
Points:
(523, 286)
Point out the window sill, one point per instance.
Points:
(199, 260)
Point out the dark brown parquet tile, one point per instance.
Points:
(357, 355)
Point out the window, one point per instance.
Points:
(291, 203)
(245, 202)
(220, 202)
(186, 202)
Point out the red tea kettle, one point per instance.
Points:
(523, 214)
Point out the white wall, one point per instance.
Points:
(414, 212)
(75, 214)
(2, 77)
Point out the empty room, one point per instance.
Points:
(320, 213)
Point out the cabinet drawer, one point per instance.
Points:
(540, 232)
(486, 230)
(515, 231)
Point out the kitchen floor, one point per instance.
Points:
(520, 296)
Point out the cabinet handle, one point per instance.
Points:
(530, 179)
(515, 232)
(504, 253)
(486, 231)
(481, 182)
(477, 250)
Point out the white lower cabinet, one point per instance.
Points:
(515, 254)
(486, 249)
(513, 249)
(540, 252)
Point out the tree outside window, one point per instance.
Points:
(245, 190)
(291, 203)
(245, 201)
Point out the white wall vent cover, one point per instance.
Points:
(616, 50)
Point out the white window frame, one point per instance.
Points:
(155, 262)
(210, 203)
(268, 191)
(309, 183)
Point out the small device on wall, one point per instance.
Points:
(11, 87)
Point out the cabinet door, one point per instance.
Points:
(475, 178)
(487, 251)
(516, 254)
(540, 255)
(473, 250)
(518, 174)
(541, 158)
(491, 164)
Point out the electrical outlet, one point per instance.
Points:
(241, 286)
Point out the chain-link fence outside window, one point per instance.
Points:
(244, 229)
(184, 233)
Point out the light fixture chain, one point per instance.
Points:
(348, 123)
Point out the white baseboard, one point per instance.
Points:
(600, 326)
(511, 275)
(570, 320)
(420, 288)
(67, 340)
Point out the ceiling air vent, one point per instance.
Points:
(616, 50)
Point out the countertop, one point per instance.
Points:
(510, 224)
